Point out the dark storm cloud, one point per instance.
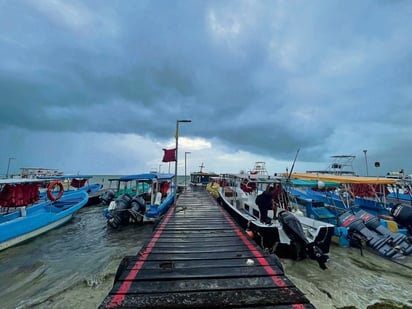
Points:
(265, 77)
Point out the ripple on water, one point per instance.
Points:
(71, 266)
(353, 280)
(74, 267)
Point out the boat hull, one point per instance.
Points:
(273, 237)
(19, 239)
(40, 218)
(356, 227)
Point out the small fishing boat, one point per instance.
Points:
(119, 186)
(75, 182)
(24, 214)
(201, 178)
(355, 205)
(36, 172)
(292, 235)
(145, 198)
(401, 191)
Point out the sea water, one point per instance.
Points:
(73, 266)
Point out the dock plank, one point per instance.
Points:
(199, 257)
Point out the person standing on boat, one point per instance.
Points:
(280, 199)
(265, 202)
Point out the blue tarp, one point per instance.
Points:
(62, 177)
(310, 183)
(148, 176)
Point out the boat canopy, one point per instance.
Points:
(310, 183)
(148, 176)
(343, 179)
(14, 181)
(254, 178)
(63, 177)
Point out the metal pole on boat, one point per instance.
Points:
(8, 167)
(186, 153)
(366, 162)
(177, 147)
(293, 164)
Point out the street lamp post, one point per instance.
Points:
(186, 153)
(366, 162)
(177, 148)
(8, 167)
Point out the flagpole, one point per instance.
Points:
(177, 150)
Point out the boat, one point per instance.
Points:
(24, 214)
(75, 182)
(36, 172)
(201, 178)
(292, 235)
(365, 192)
(121, 185)
(401, 191)
(372, 194)
(151, 196)
(355, 206)
(340, 165)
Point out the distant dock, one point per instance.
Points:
(199, 257)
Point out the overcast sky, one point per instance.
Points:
(96, 86)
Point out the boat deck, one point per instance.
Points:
(94, 197)
(199, 257)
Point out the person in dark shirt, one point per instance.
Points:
(265, 202)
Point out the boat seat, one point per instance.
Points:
(228, 192)
(165, 186)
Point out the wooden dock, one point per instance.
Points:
(199, 257)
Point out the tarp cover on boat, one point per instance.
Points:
(310, 183)
(148, 176)
(64, 177)
(343, 179)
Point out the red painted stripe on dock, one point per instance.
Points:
(121, 293)
(261, 259)
(124, 288)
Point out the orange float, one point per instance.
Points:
(50, 190)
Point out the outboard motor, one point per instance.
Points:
(380, 243)
(120, 215)
(137, 208)
(293, 228)
(107, 197)
(372, 222)
(403, 216)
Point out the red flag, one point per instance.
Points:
(169, 155)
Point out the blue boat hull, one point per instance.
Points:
(39, 218)
(355, 225)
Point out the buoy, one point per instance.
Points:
(50, 190)
(250, 233)
(321, 184)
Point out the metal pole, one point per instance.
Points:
(8, 167)
(177, 148)
(186, 153)
(366, 162)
